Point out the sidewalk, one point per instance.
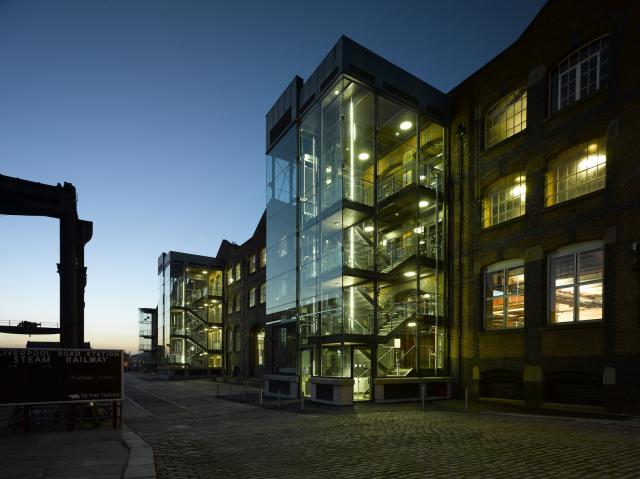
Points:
(94, 454)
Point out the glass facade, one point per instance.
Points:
(190, 314)
(355, 276)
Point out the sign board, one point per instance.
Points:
(37, 376)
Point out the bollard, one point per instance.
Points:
(423, 389)
(260, 397)
(466, 399)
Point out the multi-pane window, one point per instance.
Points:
(263, 293)
(580, 74)
(576, 172)
(238, 302)
(507, 117)
(504, 200)
(260, 348)
(252, 297)
(230, 305)
(504, 295)
(263, 257)
(252, 264)
(575, 283)
(238, 274)
(230, 276)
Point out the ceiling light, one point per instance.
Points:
(204, 272)
(336, 92)
(423, 204)
(592, 148)
(418, 229)
(411, 324)
(410, 274)
(520, 179)
(368, 229)
(406, 125)
(397, 134)
(363, 156)
(328, 170)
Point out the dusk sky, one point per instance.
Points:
(155, 111)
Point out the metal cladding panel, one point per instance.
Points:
(283, 113)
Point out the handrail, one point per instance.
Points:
(27, 324)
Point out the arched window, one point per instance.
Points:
(504, 295)
(580, 74)
(504, 200)
(575, 283)
(576, 172)
(506, 118)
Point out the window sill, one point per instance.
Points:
(594, 323)
(504, 223)
(495, 146)
(488, 332)
(574, 201)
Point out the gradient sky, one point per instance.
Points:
(155, 111)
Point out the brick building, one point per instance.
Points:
(545, 217)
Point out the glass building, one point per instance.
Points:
(190, 319)
(356, 228)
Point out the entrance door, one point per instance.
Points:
(306, 368)
(361, 374)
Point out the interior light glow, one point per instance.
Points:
(397, 134)
(591, 161)
(519, 190)
(411, 324)
(592, 148)
(368, 229)
(363, 156)
(418, 229)
(405, 125)
(204, 272)
(423, 204)
(336, 92)
(410, 274)
(520, 179)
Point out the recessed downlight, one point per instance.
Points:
(363, 156)
(410, 274)
(368, 228)
(406, 125)
(423, 204)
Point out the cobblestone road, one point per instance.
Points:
(195, 435)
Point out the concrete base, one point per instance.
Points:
(335, 391)
(280, 384)
(408, 389)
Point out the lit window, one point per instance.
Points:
(238, 302)
(263, 293)
(580, 74)
(238, 273)
(507, 117)
(263, 257)
(505, 199)
(260, 348)
(230, 276)
(504, 295)
(577, 172)
(252, 264)
(575, 283)
(252, 297)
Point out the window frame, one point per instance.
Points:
(252, 264)
(238, 271)
(504, 267)
(263, 293)
(238, 302)
(252, 297)
(601, 76)
(263, 257)
(574, 250)
(508, 99)
(498, 187)
(573, 157)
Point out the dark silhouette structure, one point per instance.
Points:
(29, 198)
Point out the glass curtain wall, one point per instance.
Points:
(371, 220)
(281, 252)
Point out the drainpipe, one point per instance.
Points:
(461, 132)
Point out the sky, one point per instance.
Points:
(155, 111)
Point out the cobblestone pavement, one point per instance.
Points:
(194, 434)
